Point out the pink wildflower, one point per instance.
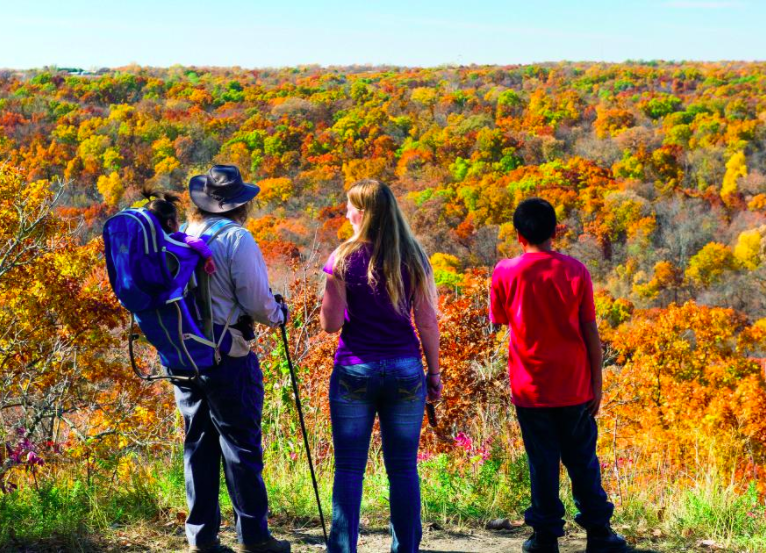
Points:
(424, 456)
(33, 459)
(464, 442)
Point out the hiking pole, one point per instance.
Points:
(303, 424)
(431, 412)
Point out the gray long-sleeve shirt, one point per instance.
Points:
(241, 281)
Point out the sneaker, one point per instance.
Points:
(539, 542)
(271, 545)
(605, 540)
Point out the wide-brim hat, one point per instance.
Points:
(221, 189)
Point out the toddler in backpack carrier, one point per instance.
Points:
(153, 276)
(165, 210)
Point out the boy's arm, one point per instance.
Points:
(589, 329)
(593, 344)
(497, 315)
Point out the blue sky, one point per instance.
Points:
(87, 33)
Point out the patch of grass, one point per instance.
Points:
(714, 511)
(473, 490)
(31, 514)
(456, 489)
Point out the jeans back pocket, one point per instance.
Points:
(411, 387)
(348, 387)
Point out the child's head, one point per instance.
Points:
(163, 207)
(535, 221)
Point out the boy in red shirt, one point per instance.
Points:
(546, 299)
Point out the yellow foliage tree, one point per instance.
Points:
(111, 188)
(277, 190)
(345, 231)
(667, 277)
(707, 266)
(425, 96)
(166, 166)
(358, 169)
(62, 363)
(736, 168)
(748, 249)
(445, 262)
(446, 269)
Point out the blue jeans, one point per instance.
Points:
(222, 418)
(395, 390)
(563, 434)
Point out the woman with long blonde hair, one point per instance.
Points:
(376, 281)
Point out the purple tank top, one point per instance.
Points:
(373, 329)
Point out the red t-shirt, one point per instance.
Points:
(544, 297)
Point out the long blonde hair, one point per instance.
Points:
(394, 247)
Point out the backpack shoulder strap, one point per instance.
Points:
(205, 299)
(210, 230)
(217, 228)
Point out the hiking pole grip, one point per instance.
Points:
(431, 412)
(303, 428)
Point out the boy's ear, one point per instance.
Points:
(523, 241)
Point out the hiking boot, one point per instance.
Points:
(540, 542)
(605, 540)
(271, 545)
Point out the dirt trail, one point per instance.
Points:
(170, 537)
(446, 541)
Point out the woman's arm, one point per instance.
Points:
(428, 328)
(331, 316)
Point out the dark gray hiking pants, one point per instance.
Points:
(222, 417)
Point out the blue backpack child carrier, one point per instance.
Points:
(152, 276)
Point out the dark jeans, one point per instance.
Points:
(222, 417)
(395, 390)
(568, 434)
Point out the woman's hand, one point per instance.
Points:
(434, 386)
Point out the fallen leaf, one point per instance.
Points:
(434, 526)
(499, 524)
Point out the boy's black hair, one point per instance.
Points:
(163, 206)
(535, 220)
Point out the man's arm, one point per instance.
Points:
(251, 282)
(595, 356)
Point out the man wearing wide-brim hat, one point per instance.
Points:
(222, 409)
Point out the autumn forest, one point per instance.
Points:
(657, 172)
